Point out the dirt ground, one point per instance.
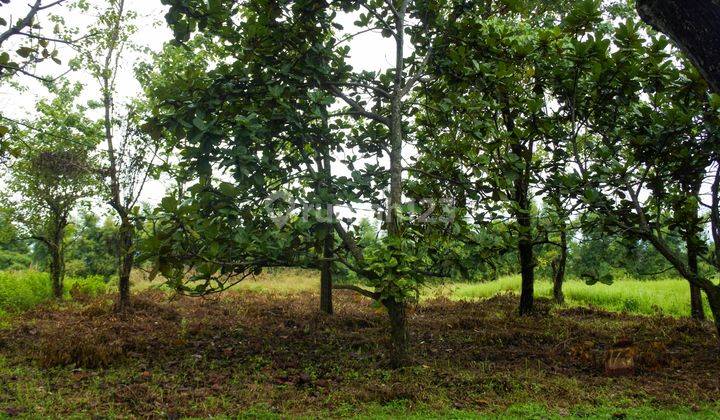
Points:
(278, 354)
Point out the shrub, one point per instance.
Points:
(21, 290)
(75, 268)
(87, 286)
(10, 260)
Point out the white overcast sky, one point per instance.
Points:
(369, 52)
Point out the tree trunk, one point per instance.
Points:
(714, 300)
(126, 232)
(56, 271)
(399, 337)
(696, 304)
(527, 271)
(323, 161)
(559, 268)
(326, 283)
(692, 244)
(525, 243)
(521, 197)
(126, 260)
(57, 255)
(395, 305)
(694, 26)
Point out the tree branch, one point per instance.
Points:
(360, 290)
(356, 106)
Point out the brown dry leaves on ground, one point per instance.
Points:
(202, 357)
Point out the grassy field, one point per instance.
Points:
(265, 351)
(263, 355)
(649, 297)
(669, 296)
(23, 290)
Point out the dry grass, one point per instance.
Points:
(667, 296)
(244, 350)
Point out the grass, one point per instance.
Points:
(668, 296)
(246, 355)
(401, 410)
(22, 290)
(283, 281)
(257, 355)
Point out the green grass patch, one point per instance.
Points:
(22, 290)
(669, 296)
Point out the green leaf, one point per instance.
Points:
(25, 52)
(715, 100)
(169, 203)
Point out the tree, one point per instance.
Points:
(694, 26)
(30, 42)
(23, 44)
(130, 154)
(374, 122)
(14, 250)
(493, 90)
(53, 176)
(652, 127)
(93, 246)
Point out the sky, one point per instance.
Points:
(368, 52)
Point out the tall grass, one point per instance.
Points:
(21, 290)
(668, 296)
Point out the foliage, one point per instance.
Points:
(54, 174)
(26, 41)
(22, 290)
(281, 108)
(26, 35)
(92, 247)
(12, 260)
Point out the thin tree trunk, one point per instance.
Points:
(326, 304)
(56, 272)
(57, 255)
(714, 300)
(126, 231)
(326, 246)
(399, 337)
(522, 214)
(527, 272)
(126, 260)
(696, 304)
(397, 308)
(559, 268)
(326, 250)
(692, 243)
(525, 243)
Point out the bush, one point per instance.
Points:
(88, 286)
(10, 260)
(75, 268)
(21, 290)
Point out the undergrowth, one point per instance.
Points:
(22, 290)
